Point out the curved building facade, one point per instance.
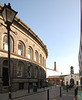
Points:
(28, 57)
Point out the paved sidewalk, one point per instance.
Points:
(66, 95)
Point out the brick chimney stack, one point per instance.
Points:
(55, 69)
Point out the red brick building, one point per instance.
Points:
(56, 80)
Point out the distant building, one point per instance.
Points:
(72, 79)
(56, 80)
(65, 79)
(28, 57)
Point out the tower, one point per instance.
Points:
(71, 70)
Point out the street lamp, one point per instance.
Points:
(8, 15)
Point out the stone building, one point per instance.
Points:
(28, 57)
(80, 48)
(73, 79)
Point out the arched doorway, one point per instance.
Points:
(5, 77)
(72, 81)
(5, 74)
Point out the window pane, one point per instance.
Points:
(29, 53)
(40, 59)
(5, 39)
(5, 46)
(29, 56)
(19, 52)
(36, 56)
(5, 43)
(20, 48)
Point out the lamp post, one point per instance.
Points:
(8, 15)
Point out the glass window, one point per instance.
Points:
(20, 48)
(40, 60)
(36, 56)
(5, 43)
(30, 53)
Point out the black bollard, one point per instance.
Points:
(60, 92)
(67, 88)
(28, 89)
(48, 94)
(76, 91)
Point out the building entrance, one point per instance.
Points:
(72, 81)
(5, 78)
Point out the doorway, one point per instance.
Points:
(72, 81)
(5, 78)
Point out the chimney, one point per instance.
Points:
(55, 69)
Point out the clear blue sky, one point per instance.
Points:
(57, 23)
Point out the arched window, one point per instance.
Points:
(36, 56)
(40, 59)
(20, 69)
(30, 53)
(20, 48)
(5, 43)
